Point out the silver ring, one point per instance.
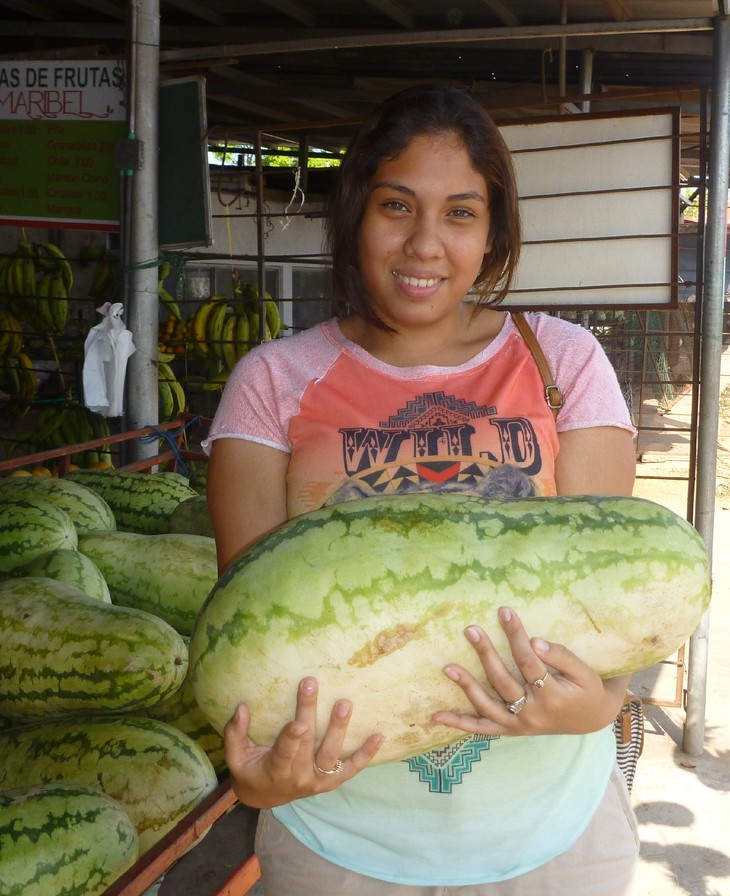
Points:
(518, 705)
(540, 683)
(333, 771)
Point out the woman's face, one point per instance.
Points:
(424, 232)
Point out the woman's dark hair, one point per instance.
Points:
(423, 109)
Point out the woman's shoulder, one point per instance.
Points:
(310, 347)
(556, 328)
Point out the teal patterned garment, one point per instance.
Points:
(484, 809)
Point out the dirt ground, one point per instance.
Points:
(682, 801)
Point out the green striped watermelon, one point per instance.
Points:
(141, 502)
(31, 526)
(70, 567)
(155, 771)
(63, 840)
(89, 512)
(168, 574)
(192, 516)
(62, 651)
(182, 711)
(372, 596)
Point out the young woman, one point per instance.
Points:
(422, 383)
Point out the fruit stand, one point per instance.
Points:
(171, 432)
(241, 872)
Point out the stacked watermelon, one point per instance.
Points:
(102, 748)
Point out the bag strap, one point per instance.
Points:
(553, 395)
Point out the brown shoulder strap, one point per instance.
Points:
(553, 395)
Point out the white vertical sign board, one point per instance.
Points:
(599, 205)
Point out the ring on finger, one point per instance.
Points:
(540, 682)
(517, 705)
(336, 770)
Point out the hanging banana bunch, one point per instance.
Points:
(221, 330)
(172, 399)
(35, 283)
(164, 296)
(11, 335)
(68, 423)
(18, 380)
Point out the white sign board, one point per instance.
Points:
(599, 199)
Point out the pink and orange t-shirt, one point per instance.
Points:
(355, 426)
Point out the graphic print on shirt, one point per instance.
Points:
(434, 434)
(442, 769)
(433, 444)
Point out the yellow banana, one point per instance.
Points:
(228, 342)
(199, 326)
(178, 394)
(166, 372)
(254, 323)
(29, 277)
(62, 263)
(214, 329)
(273, 318)
(27, 378)
(44, 305)
(243, 334)
(59, 303)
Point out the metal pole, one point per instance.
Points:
(711, 349)
(586, 77)
(144, 250)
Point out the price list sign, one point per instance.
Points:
(59, 125)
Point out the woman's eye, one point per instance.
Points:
(395, 204)
(462, 213)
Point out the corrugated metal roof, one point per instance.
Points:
(318, 63)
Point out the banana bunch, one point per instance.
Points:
(223, 330)
(11, 335)
(69, 423)
(172, 399)
(164, 296)
(35, 282)
(18, 380)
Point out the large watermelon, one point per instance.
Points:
(89, 512)
(63, 840)
(31, 526)
(168, 574)
(155, 771)
(63, 651)
(372, 596)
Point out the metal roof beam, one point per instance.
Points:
(617, 10)
(502, 11)
(293, 11)
(420, 38)
(393, 11)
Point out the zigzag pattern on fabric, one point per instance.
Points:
(444, 769)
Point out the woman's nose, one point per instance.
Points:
(424, 239)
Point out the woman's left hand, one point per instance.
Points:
(562, 695)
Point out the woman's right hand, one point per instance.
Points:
(264, 777)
